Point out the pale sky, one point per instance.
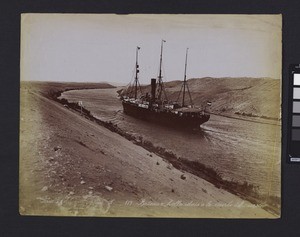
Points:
(101, 47)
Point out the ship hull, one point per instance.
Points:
(164, 117)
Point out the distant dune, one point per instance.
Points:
(251, 97)
(47, 87)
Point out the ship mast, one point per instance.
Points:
(184, 81)
(185, 86)
(136, 73)
(160, 83)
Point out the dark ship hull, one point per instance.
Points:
(170, 118)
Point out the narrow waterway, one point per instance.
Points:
(238, 149)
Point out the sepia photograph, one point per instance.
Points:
(150, 115)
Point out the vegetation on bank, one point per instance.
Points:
(256, 116)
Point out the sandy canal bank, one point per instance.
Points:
(71, 166)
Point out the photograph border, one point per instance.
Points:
(14, 224)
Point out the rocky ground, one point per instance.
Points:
(71, 166)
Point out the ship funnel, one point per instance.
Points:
(153, 88)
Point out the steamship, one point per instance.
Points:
(157, 108)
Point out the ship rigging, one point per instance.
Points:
(157, 109)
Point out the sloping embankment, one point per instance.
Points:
(245, 190)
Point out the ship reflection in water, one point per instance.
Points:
(157, 108)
